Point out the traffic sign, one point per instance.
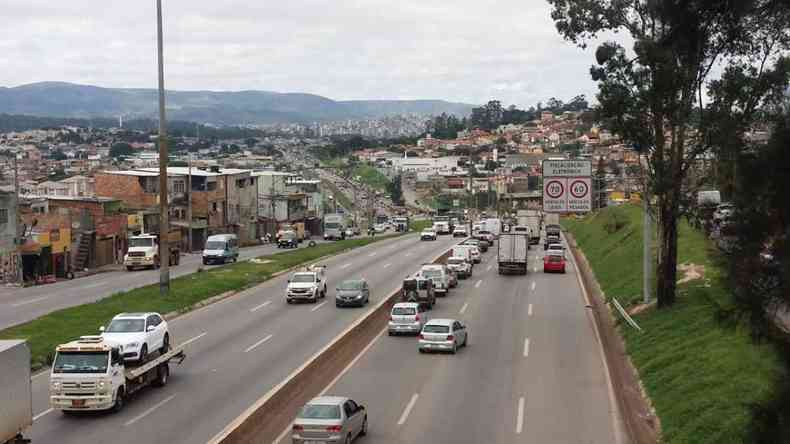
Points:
(567, 186)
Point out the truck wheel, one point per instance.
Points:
(162, 375)
(156, 262)
(120, 400)
(129, 268)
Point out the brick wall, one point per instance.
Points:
(126, 188)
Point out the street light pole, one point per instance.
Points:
(164, 227)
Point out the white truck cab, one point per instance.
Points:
(143, 252)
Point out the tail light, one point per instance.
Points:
(392, 318)
(421, 336)
(334, 429)
(450, 337)
(298, 428)
(417, 318)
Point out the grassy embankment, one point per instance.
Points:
(700, 376)
(342, 199)
(371, 176)
(44, 333)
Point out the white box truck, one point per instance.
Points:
(533, 220)
(16, 402)
(335, 226)
(513, 253)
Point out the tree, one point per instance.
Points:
(648, 98)
(57, 155)
(395, 190)
(487, 117)
(491, 165)
(250, 142)
(599, 182)
(121, 149)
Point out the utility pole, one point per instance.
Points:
(164, 226)
(646, 249)
(18, 239)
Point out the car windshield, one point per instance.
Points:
(141, 242)
(554, 258)
(332, 225)
(436, 329)
(303, 278)
(431, 273)
(404, 311)
(320, 411)
(555, 247)
(350, 285)
(215, 245)
(126, 326)
(80, 362)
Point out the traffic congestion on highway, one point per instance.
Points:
(526, 361)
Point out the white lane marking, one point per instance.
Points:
(489, 268)
(189, 341)
(94, 285)
(535, 268)
(334, 381)
(532, 287)
(35, 418)
(318, 306)
(253, 346)
(408, 254)
(385, 265)
(346, 265)
(520, 417)
(254, 309)
(372, 254)
(526, 347)
(477, 284)
(529, 310)
(463, 309)
(30, 301)
(149, 411)
(405, 415)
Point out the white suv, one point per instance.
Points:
(138, 334)
(460, 266)
(307, 285)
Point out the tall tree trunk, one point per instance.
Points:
(667, 263)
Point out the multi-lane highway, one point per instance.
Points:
(18, 305)
(532, 372)
(239, 349)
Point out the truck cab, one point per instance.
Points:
(143, 252)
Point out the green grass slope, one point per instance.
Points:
(700, 376)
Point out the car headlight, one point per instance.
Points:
(55, 385)
(133, 344)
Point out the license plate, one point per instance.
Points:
(315, 442)
(78, 403)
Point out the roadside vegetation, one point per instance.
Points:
(370, 176)
(341, 197)
(46, 332)
(703, 377)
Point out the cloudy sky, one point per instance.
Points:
(460, 50)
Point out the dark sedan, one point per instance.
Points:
(352, 293)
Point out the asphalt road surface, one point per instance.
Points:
(240, 348)
(19, 305)
(532, 372)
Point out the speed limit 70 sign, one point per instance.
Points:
(567, 187)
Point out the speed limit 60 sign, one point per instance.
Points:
(567, 186)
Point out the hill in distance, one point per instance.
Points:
(214, 107)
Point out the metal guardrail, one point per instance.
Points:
(625, 314)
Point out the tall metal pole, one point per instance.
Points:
(19, 270)
(646, 249)
(164, 226)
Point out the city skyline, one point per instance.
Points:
(466, 52)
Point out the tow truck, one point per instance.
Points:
(90, 374)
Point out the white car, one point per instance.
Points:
(428, 234)
(460, 266)
(407, 317)
(308, 285)
(138, 334)
(443, 335)
(459, 232)
(440, 276)
(557, 249)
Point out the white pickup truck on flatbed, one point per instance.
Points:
(90, 374)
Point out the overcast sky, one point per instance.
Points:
(460, 50)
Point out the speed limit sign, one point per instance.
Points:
(567, 186)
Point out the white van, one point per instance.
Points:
(221, 248)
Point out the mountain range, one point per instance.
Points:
(62, 99)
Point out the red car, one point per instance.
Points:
(553, 262)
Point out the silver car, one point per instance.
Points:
(443, 335)
(407, 317)
(329, 419)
